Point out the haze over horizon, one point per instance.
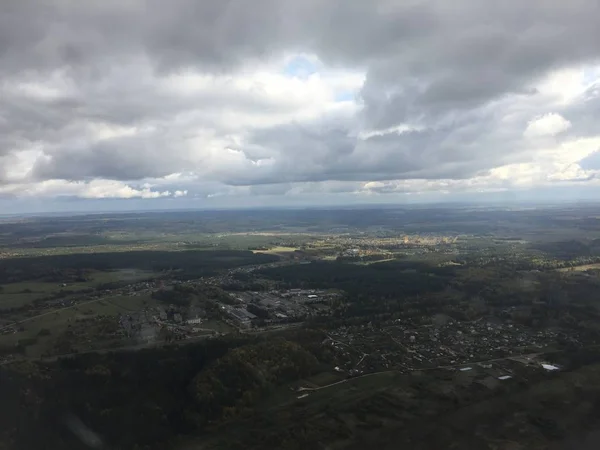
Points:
(137, 104)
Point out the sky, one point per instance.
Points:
(131, 104)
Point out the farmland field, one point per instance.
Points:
(59, 321)
(581, 268)
(14, 295)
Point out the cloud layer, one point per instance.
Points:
(276, 99)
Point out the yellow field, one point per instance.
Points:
(582, 268)
(276, 250)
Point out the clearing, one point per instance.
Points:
(581, 268)
(15, 295)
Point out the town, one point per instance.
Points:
(447, 344)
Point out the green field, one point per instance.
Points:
(58, 321)
(218, 326)
(323, 379)
(14, 295)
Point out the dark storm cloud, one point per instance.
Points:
(436, 65)
(84, 35)
(584, 115)
(321, 152)
(407, 39)
(24, 120)
(113, 159)
(477, 52)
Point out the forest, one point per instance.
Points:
(185, 264)
(146, 398)
(377, 280)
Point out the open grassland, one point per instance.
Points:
(6, 253)
(41, 331)
(14, 295)
(322, 379)
(217, 325)
(149, 241)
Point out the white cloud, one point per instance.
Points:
(564, 86)
(547, 125)
(398, 129)
(94, 189)
(100, 131)
(116, 189)
(549, 167)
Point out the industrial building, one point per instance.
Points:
(243, 317)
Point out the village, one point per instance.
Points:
(404, 347)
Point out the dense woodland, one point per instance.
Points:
(235, 382)
(147, 397)
(186, 264)
(381, 280)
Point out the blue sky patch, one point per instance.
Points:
(591, 162)
(300, 67)
(344, 96)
